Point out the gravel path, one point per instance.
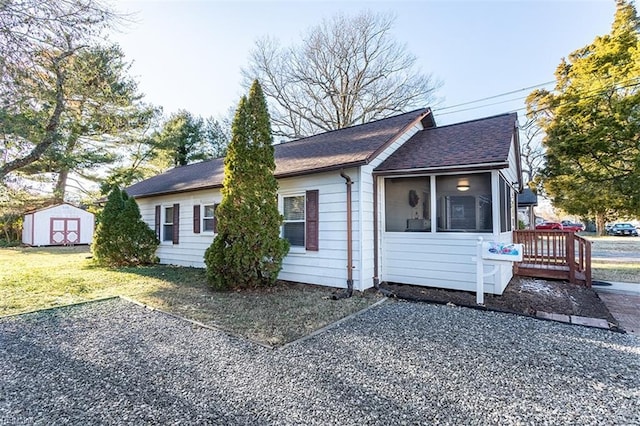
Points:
(115, 362)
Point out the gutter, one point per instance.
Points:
(349, 291)
(443, 169)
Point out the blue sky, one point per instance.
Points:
(188, 54)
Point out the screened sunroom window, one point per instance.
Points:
(464, 203)
(505, 206)
(407, 204)
(294, 220)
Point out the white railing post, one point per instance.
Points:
(479, 274)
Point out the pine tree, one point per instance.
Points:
(122, 237)
(592, 125)
(248, 250)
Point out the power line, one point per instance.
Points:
(482, 106)
(592, 92)
(496, 96)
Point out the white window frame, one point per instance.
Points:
(203, 217)
(165, 223)
(292, 248)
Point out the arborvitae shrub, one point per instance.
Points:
(122, 238)
(248, 250)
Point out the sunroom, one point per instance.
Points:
(429, 222)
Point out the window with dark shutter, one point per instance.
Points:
(311, 231)
(196, 219)
(176, 223)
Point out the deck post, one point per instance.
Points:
(571, 256)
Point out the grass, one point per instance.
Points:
(37, 278)
(624, 264)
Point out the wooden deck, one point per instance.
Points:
(554, 254)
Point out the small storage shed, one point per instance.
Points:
(58, 225)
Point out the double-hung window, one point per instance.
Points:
(167, 224)
(208, 218)
(293, 228)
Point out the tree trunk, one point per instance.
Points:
(600, 224)
(51, 131)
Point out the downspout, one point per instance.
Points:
(349, 291)
(376, 242)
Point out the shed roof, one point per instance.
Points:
(527, 198)
(53, 206)
(481, 142)
(348, 147)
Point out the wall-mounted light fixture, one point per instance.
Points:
(463, 185)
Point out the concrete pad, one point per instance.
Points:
(618, 287)
(590, 322)
(553, 317)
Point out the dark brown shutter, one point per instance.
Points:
(196, 219)
(215, 218)
(157, 222)
(311, 231)
(176, 223)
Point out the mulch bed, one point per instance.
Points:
(523, 296)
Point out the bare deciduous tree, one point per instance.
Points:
(346, 71)
(531, 150)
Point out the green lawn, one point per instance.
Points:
(36, 278)
(625, 270)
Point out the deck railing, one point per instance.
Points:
(554, 254)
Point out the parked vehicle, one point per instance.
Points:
(623, 229)
(567, 225)
(549, 226)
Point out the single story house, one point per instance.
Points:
(397, 200)
(58, 225)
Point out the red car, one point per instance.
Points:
(549, 226)
(573, 227)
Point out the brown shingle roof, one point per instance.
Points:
(472, 143)
(351, 146)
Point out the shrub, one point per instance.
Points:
(122, 238)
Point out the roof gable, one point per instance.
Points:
(485, 141)
(348, 147)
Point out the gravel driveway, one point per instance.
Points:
(115, 362)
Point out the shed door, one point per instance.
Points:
(65, 231)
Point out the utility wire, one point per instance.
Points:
(594, 92)
(496, 96)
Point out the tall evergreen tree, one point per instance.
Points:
(592, 125)
(248, 250)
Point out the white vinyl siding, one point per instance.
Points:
(37, 225)
(190, 251)
(327, 265)
(439, 259)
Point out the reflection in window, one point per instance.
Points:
(208, 218)
(464, 203)
(167, 226)
(505, 206)
(294, 220)
(407, 204)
